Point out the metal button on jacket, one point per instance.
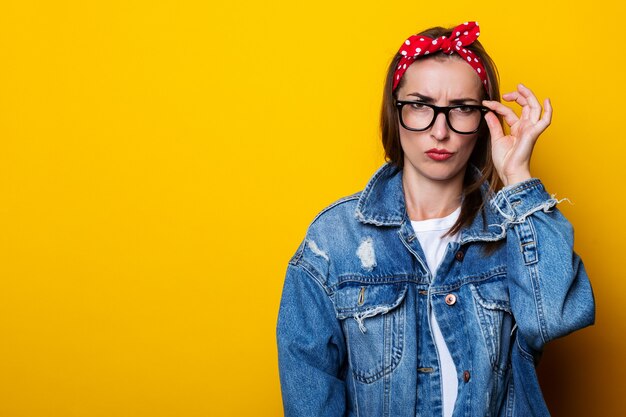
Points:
(466, 376)
(459, 255)
(450, 299)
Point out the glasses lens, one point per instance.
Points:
(465, 119)
(417, 116)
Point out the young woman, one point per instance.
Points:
(433, 290)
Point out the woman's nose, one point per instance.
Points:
(440, 130)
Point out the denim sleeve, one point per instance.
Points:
(311, 348)
(550, 292)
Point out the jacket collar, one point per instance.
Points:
(382, 204)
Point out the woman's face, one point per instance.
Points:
(442, 82)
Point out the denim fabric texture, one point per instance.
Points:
(353, 332)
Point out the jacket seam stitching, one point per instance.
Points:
(523, 351)
(342, 200)
(530, 183)
(539, 304)
(309, 270)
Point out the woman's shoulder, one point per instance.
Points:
(344, 209)
(339, 208)
(338, 226)
(330, 226)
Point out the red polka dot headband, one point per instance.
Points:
(419, 45)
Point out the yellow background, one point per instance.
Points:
(160, 161)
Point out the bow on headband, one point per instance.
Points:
(419, 45)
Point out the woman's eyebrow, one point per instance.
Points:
(427, 99)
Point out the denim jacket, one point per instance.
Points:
(353, 332)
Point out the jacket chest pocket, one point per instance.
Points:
(373, 319)
(495, 319)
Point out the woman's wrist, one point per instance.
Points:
(516, 178)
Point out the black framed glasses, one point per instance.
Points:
(461, 118)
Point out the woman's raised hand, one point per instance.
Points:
(511, 153)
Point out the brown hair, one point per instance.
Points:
(481, 155)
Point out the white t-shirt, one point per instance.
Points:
(434, 246)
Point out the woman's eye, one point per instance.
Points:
(418, 106)
(464, 109)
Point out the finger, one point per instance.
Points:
(495, 128)
(535, 107)
(509, 115)
(515, 96)
(519, 99)
(535, 131)
(546, 119)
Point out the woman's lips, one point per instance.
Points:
(439, 154)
